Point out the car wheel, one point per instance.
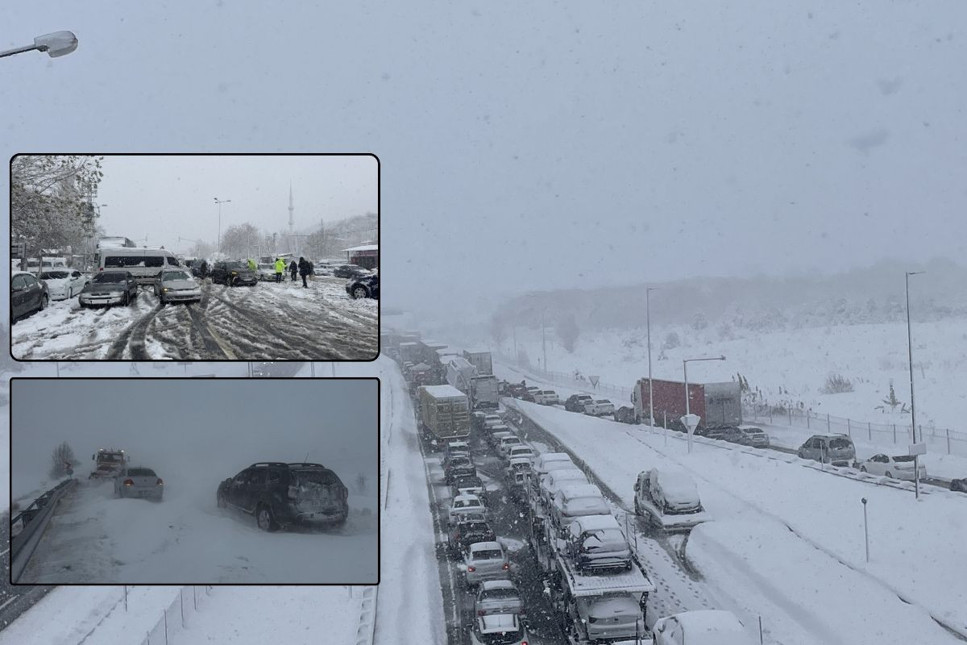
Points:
(862, 469)
(889, 475)
(637, 506)
(44, 300)
(265, 519)
(134, 297)
(360, 292)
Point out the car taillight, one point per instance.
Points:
(471, 568)
(506, 566)
(128, 482)
(160, 482)
(481, 612)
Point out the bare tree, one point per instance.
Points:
(241, 241)
(568, 332)
(62, 461)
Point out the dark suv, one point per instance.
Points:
(280, 494)
(233, 274)
(576, 402)
(366, 286)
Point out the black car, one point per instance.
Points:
(366, 286)
(27, 295)
(471, 529)
(280, 494)
(624, 414)
(233, 274)
(576, 402)
(959, 485)
(349, 271)
(458, 466)
(109, 288)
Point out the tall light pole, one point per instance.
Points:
(685, 363)
(59, 43)
(913, 414)
(543, 340)
(220, 202)
(651, 404)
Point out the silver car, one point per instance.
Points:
(835, 449)
(137, 481)
(486, 561)
(176, 285)
(109, 288)
(498, 597)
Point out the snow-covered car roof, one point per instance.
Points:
(574, 491)
(496, 623)
(476, 547)
(597, 523)
(466, 500)
(488, 585)
(715, 622)
(677, 485)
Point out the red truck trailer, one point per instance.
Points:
(718, 404)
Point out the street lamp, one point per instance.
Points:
(651, 404)
(913, 415)
(220, 202)
(685, 363)
(543, 340)
(59, 43)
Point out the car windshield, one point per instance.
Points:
(234, 265)
(499, 593)
(596, 539)
(175, 275)
(500, 638)
(141, 472)
(109, 276)
(903, 458)
(54, 275)
(466, 503)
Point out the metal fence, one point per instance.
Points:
(28, 526)
(176, 616)
(938, 440)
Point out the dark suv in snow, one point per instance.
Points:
(280, 494)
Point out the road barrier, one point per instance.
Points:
(32, 522)
(366, 629)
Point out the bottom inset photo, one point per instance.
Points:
(194, 481)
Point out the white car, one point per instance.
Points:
(63, 283)
(522, 450)
(464, 504)
(506, 443)
(505, 629)
(672, 492)
(893, 467)
(701, 627)
(546, 397)
(599, 408)
(492, 420)
(176, 285)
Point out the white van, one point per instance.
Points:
(144, 264)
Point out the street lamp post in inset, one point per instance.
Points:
(220, 202)
(59, 43)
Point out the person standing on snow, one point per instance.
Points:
(293, 269)
(279, 269)
(303, 271)
(252, 266)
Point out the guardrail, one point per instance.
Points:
(33, 520)
(366, 629)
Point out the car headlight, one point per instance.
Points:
(166, 288)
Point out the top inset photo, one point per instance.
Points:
(194, 257)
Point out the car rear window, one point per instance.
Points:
(317, 477)
(840, 444)
(122, 261)
(489, 554)
(500, 594)
(141, 472)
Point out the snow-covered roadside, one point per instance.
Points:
(92, 615)
(914, 551)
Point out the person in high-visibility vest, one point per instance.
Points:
(279, 269)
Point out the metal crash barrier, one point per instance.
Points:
(28, 526)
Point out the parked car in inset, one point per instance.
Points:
(599, 408)
(498, 629)
(497, 597)
(280, 495)
(27, 295)
(624, 414)
(366, 286)
(753, 436)
(892, 467)
(671, 492)
(572, 501)
(959, 485)
(835, 449)
(177, 285)
(506, 443)
(109, 288)
(486, 561)
(457, 466)
(63, 284)
(349, 271)
(467, 485)
(522, 450)
(138, 481)
(233, 274)
(576, 402)
(701, 627)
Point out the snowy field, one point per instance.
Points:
(770, 512)
(266, 322)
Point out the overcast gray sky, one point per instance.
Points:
(170, 197)
(543, 144)
(211, 426)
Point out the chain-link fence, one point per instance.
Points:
(938, 440)
(176, 616)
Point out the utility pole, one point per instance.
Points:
(913, 414)
(651, 405)
(544, 340)
(220, 202)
